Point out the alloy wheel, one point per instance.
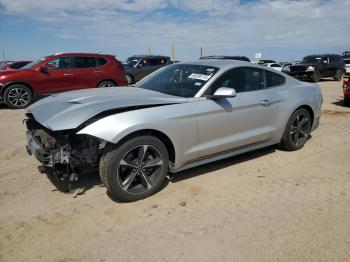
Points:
(18, 97)
(299, 131)
(139, 169)
(107, 85)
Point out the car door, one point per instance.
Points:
(228, 123)
(327, 67)
(58, 76)
(85, 72)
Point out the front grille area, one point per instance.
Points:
(297, 69)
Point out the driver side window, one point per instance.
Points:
(244, 79)
(60, 63)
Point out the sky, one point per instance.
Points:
(284, 30)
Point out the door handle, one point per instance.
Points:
(265, 102)
(66, 74)
(98, 72)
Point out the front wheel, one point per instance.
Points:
(18, 96)
(297, 130)
(136, 169)
(316, 77)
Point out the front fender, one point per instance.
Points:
(175, 121)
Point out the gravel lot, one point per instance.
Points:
(268, 205)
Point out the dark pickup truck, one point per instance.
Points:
(139, 66)
(315, 67)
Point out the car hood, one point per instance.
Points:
(8, 71)
(71, 109)
(13, 72)
(303, 65)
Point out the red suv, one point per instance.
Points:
(59, 73)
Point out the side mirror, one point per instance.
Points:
(223, 92)
(139, 65)
(44, 69)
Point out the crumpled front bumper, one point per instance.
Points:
(34, 148)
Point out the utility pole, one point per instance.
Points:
(3, 54)
(149, 51)
(173, 51)
(201, 52)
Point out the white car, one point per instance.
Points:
(275, 66)
(347, 65)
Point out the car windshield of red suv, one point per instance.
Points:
(32, 64)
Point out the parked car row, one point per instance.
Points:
(72, 71)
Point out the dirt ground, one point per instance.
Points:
(268, 205)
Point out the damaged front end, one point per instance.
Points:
(65, 152)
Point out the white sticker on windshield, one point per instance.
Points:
(200, 77)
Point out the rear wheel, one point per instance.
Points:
(18, 96)
(297, 130)
(136, 169)
(106, 83)
(338, 75)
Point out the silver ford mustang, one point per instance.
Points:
(181, 116)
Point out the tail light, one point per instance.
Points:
(119, 65)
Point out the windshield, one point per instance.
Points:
(179, 80)
(131, 61)
(312, 59)
(32, 64)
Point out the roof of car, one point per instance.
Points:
(220, 63)
(148, 56)
(323, 55)
(81, 54)
(235, 57)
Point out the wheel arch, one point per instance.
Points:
(131, 75)
(152, 132)
(17, 83)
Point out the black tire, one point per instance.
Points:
(316, 76)
(18, 96)
(346, 101)
(106, 83)
(338, 75)
(297, 130)
(129, 78)
(125, 178)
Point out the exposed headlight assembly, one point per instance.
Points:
(310, 69)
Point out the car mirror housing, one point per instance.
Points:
(223, 92)
(44, 69)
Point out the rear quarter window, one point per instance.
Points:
(273, 79)
(101, 61)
